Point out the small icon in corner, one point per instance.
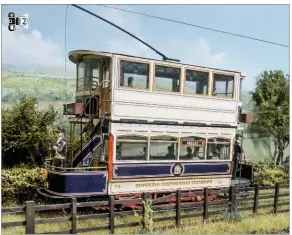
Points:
(14, 22)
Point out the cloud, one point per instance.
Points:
(23, 48)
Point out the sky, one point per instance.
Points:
(43, 43)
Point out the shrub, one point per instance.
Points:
(20, 183)
(267, 173)
(26, 133)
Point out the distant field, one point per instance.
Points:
(46, 89)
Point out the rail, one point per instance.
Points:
(55, 168)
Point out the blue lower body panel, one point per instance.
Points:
(146, 170)
(77, 183)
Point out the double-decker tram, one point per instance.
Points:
(147, 125)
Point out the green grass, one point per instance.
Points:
(267, 223)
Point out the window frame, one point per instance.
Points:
(87, 60)
(233, 88)
(164, 141)
(181, 67)
(196, 70)
(205, 148)
(141, 61)
(221, 137)
(130, 134)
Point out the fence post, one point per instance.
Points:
(276, 198)
(30, 217)
(206, 202)
(112, 215)
(232, 199)
(178, 207)
(74, 216)
(256, 199)
(144, 197)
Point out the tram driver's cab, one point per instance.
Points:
(92, 84)
(92, 101)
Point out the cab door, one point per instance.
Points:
(105, 88)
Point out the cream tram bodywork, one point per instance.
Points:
(170, 126)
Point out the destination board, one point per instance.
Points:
(195, 143)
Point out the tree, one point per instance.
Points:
(26, 133)
(271, 98)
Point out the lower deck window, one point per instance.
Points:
(131, 148)
(192, 148)
(163, 148)
(168, 148)
(218, 149)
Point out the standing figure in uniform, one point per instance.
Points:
(60, 148)
(237, 153)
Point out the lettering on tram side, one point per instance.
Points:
(128, 187)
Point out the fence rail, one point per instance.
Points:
(250, 194)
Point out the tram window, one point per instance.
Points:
(196, 82)
(163, 148)
(218, 149)
(134, 75)
(240, 89)
(223, 86)
(88, 75)
(192, 148)
(131, 148)
(167, 79)
(80, 75)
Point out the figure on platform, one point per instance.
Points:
(60, 148)
(237, 154)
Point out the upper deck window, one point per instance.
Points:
(240, 89)
(131, 148)
(167, 79)
(196, 82)
(163, 148)
(223, 85)
(88, 74)
(134, 75)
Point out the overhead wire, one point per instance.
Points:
(125, 31)
(195, 25)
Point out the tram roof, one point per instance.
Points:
(76, 55)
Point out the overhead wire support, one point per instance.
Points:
(194, 25)
(164, 57)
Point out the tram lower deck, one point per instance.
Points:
(145, 158)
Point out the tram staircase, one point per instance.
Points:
(97, 135)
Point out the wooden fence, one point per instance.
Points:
(234, 197)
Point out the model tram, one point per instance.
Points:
(150, 126)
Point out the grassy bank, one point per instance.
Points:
(261, 224)
(252, 225)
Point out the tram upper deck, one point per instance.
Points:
(134, 89)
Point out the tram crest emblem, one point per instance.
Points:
(177, 169)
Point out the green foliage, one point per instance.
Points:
(27, 133)
(20, 183)
(146, 218)
(267, 173)
(271, 99)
